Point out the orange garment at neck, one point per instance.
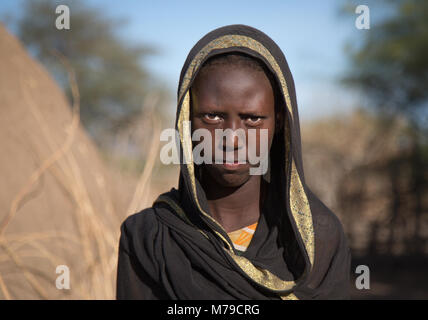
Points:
(241, 238)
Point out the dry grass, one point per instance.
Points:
(91, 251)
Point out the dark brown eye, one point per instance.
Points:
(253, 120)
(212, 117)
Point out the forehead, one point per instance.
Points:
(229, 87)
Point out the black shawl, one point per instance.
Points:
(176, 250)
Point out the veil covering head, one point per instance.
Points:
(298, 251)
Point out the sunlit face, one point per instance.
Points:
(232, 97)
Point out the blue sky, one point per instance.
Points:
(312, 35)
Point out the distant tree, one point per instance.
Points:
(111, 77)
(391, 64)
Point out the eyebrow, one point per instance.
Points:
(241, 114)
(219, 110)
(252, 114)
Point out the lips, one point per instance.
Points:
(233, 165)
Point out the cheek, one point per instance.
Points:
(199, 124)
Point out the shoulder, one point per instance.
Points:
(140, 246)
(138, 228)
(143, 220)
(145, 224)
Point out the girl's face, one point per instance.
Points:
(232, 97)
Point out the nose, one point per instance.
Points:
(231, 140)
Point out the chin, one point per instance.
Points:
(230, 179)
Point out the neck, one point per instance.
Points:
(234, 207)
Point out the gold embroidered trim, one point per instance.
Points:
(261, 276)
(290, 296)
(302, 213)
